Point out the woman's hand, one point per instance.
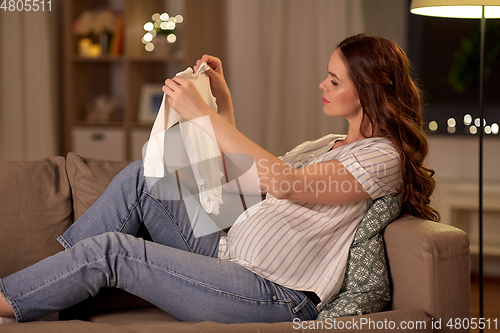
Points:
(219, 87)
(218, 83)
(183, 97)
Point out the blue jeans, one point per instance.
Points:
(177, 272)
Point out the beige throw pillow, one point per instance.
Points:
(35, 208)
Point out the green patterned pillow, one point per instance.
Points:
(366, 283)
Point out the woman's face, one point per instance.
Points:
(339, 95)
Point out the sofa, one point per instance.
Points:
(428, 262)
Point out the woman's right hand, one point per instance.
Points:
(218, 83)
(219, 87)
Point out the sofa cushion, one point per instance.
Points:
(133, 316)
(366, 286)
(155, 320)
(88, 179)
(35, 208)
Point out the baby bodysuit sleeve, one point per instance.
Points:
(377, 167)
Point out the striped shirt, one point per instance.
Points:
(305, 246)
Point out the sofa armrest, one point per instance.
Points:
(429, 268)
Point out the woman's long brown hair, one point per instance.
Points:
(392, 108)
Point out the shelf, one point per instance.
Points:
(103, 59)
(94, 85)
(124, 58)
(82, 123)
(154, 58)
(131, 125)
(142, 126)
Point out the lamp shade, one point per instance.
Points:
(456, 8)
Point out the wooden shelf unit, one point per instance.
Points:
(123, 75)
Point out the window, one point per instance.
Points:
(445, 54)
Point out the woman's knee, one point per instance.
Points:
(137, 165)
(131, 175)
(103, 258)
(133, 169)
(108, 244)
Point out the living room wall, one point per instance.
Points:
(298, 53)
(29, 87)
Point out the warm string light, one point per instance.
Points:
(472, 125)
(161, 23)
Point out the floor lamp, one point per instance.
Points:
(474, 9)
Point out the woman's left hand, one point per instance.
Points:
(183, 97)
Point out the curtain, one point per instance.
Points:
(278, 52)
(29, 99)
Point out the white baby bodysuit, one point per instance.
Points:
(201, 148)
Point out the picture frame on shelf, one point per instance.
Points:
(149, 103)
